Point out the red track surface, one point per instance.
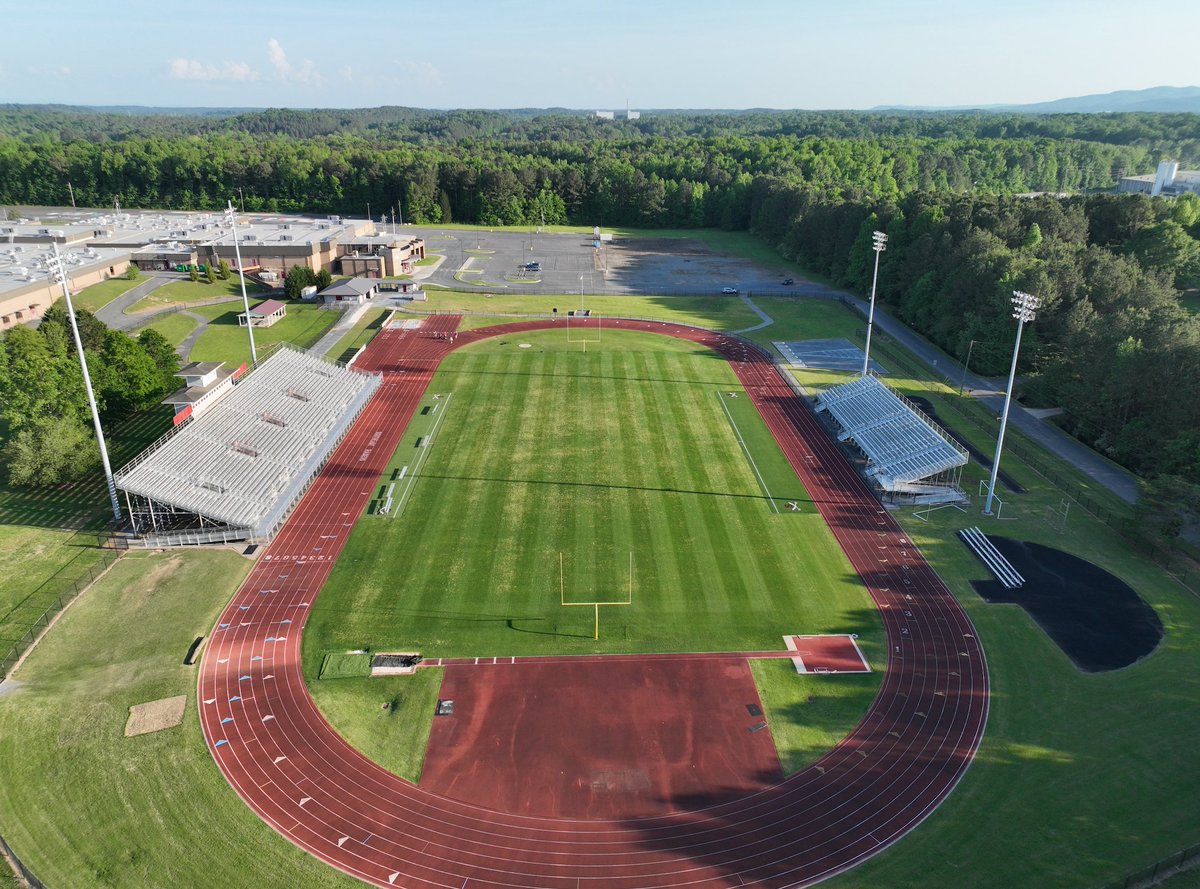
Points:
(296, 772)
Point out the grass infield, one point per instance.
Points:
(624, 448)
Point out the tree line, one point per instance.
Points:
(44, 413)
(1112, 344)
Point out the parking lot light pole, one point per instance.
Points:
(231, 215)
(879, 245)
(58, 270)
(581, 293)
(1024, 307)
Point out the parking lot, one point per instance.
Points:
(569, 263)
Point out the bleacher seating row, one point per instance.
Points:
(234, 462)
(1001, 567)
(903, 446)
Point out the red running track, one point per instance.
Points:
(291, 767)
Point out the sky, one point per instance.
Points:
(564, 53)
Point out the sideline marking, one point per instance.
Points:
(402, 501)
(745, 450)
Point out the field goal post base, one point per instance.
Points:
(598, 328)
(562, 595)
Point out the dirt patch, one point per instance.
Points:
(154, 716)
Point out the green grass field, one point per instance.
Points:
(84, 806)
(1081, 779)
(184, 292)
(99, 295)
(623, 449)
(720, 312)
(225, 340)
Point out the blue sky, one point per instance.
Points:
(537, 53)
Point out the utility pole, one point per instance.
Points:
(879, 245)
(966, 364)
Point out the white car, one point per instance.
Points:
(729, 290)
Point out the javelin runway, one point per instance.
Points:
(296, 772)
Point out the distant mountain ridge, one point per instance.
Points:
(1164, 99)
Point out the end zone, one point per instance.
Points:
(827, 654)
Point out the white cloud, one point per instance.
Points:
(426, 72)
(289, 73)
(347, 74)
(190, 69)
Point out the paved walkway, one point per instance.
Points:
(767, 320)
(340, 329)
(185, 348)
(114, 315)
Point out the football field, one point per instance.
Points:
(637, 469)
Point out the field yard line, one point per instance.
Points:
(420, 461)
(746, 451)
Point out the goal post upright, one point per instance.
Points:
(594, 605)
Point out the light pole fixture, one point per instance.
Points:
(59, 272)
(966, 364)
(231, 216)
(1024, 307)
(879, 245)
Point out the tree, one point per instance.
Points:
(223, 270)
(193, 273)
(324, 278)
(164, 356)
(296, 280)
(133, 272)
(127, 377)
(210, 274)
(50, 451)
(1033, 236)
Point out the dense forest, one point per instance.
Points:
(956, 194)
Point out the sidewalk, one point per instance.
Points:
(340, 329)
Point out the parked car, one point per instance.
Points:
(533, 266)
(787, 282)
(729, 290)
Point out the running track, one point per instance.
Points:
(295, 771)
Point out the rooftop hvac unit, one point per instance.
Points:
(249, 237)
(286, 238)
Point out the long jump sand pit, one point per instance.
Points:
(601, 738)
(154, 716)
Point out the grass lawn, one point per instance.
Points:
(175, 327)
(183, 292)
(99, 295)
(84, 806)
(360, 334)
(720, 312)
(394, 737)
(632, 446)
(48, 535)
(225, 340)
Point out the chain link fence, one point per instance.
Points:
(58, 595)
(1152, 874)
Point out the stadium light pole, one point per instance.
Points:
(59, 271)
(1024, 307)
(879, 245)
(231, 215)
(581, 293)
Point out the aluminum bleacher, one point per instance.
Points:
(906, 451)
(237, 469)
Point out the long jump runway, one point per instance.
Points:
(293, 769)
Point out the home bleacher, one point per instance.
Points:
(236, 471)
(907, 452)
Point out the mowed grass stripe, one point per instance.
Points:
(596, 455)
